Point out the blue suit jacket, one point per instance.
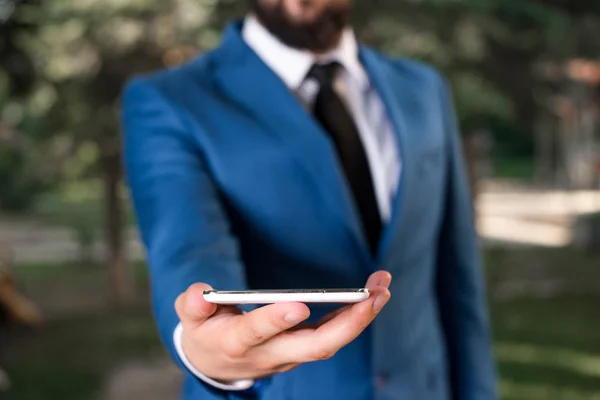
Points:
(235, 185)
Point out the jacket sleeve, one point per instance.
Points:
(181, 219)
(460, 287)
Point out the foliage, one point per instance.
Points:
(501, 44)
(14, 59)
(84, 51)
(77, 205)
(20, 186)
(79, 209)
(19, 183)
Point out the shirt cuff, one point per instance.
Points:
(234, 386)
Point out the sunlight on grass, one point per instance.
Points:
(510, 390)
(518, 230)
(572, 361)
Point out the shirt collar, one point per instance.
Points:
(292, 65)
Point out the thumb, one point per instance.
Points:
(191, 307)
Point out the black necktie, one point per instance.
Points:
(332, 113)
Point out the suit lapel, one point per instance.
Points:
(244, 79)
(384, 79)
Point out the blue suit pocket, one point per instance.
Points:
(434, 377)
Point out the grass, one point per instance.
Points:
(546, 348)
(80, 206)
(32, 274)
(514, 168)
(69, 358)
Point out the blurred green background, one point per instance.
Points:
(526, 80)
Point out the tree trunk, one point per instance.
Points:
(115, 238)
(544, 169)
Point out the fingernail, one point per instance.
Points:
(379, 302)
(293, 318)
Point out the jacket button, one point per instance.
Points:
(380, 380)
(431, 380)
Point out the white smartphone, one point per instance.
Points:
(286, 296)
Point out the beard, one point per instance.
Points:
(317, 36)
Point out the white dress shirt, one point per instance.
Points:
(353, 85)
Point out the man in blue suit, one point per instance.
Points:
(292, 157)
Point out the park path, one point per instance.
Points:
(157, 379)
(516, 215)
(35, 242)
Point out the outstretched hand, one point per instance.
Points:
(226, 345)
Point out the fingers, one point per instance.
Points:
(333, 314)
(264, 323)
(379, 278)
(338, 330)
(191, 307)
(276, 328)
(345, 327)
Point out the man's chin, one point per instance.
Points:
(310, 29)
(304, 17)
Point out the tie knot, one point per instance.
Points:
(324, 73)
